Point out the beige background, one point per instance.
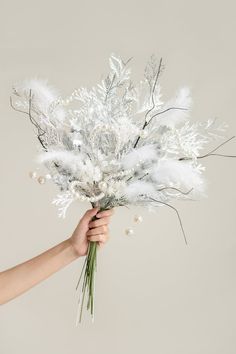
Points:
(154, 294)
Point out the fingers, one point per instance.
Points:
(105, 213)
(89, 214)
(101, 238)
(98, 230)
(99, 222)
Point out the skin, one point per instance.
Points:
(20, 278)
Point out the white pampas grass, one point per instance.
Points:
(180, 174)
(144, 153)
(174, 117)
(138, 188)
(61, 156)
(76, 163)
(42, 95)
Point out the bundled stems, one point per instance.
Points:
(88, 274)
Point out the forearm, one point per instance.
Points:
(22, 277)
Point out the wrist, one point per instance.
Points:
(72, 249)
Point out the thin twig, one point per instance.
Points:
(166, 110)
(16, 109)
(153, 89)
(177, 213)
(178, 190)
(211, 153)
(152, 98)
(41, 132)
(222, 155)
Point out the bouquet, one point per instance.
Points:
(118, 144)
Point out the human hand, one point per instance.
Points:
(88, 230)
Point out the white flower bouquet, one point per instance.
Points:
(118, 144)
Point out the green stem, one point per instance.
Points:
(89, 270)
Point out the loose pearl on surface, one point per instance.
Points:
(32, 174)
(129, 232)
(41, 180)
(138, 218)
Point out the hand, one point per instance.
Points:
(88, 230)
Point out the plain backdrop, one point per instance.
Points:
(154, 294)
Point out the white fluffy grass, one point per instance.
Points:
(181, 174)
(145, 153)
(174, 117)
(42, 95)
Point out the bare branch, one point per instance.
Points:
(152, 98)
(177, 213)
(16, 109)
(166, 110)
(178, 190)
(40, 131)
(153, 89)
(211, 153)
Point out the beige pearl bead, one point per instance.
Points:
(129, 232)
(32, 174)
(138, 218)
(41, 180)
